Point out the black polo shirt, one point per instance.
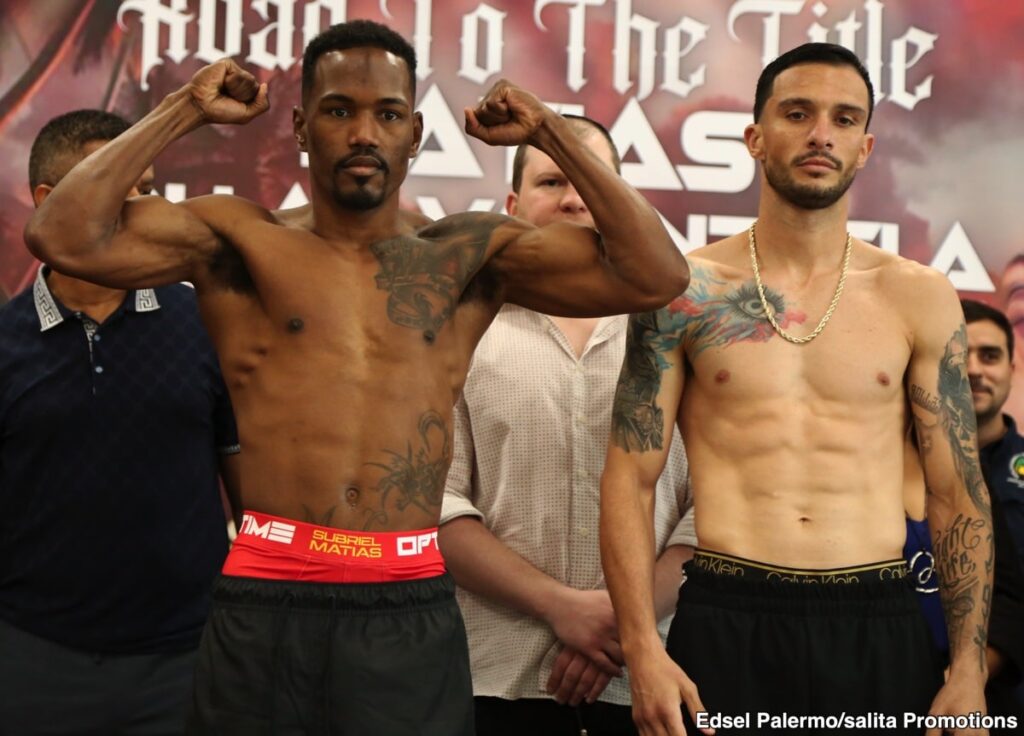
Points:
(111, 524)
(1003, 461)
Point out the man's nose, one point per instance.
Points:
(973, 364)
(572, 201)
(364, 130)
(821, 133)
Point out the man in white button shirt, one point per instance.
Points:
(519, 524)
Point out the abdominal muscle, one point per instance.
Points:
(346, 448)
(803, 486)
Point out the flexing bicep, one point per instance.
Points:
(152, 242)
(562, 269)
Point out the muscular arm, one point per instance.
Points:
(85, 228)
(565, 269)
(646, 403)
(646, 398)
(959, 514)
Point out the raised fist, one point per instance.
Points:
(506, 116)
(225, 93)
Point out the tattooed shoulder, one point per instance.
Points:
(725, 313)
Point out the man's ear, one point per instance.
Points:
(753, 137)
(866, 147)
(417, 133)
(41, 192)
(299, 128)
(512, 204)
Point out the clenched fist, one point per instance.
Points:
(506, 116)
(225, 93)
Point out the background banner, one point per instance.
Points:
(673, 81)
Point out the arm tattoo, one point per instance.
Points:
(963, 550)
(958, 571)
(958, 419)
(415, 477)
(425, 277)
(637, 421)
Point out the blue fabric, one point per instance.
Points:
(1003, 462)
(111, 523)
(918, 551)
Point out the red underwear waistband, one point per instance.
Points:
(274, 548)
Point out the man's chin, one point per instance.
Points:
(359, 200)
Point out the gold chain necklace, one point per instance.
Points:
(769, 312)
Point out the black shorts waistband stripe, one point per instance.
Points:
(717, 563)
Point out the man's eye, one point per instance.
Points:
(390, 115)
(339, 112)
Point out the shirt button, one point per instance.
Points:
(96, 338)
(99, 369)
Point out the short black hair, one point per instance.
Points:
(353, 35)
(811, 53)
(978, 312)
(63, 137)
(582, 126)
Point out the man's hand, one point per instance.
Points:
(584, 620)
(224, 92)
(659, 687)
(506, 116)
(574, 678)
(959, 697)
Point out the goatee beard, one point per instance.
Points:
(804, 196)
(360, 200)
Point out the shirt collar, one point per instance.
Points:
(1011, 431)
(49, 311)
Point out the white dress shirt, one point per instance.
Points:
(531, 432)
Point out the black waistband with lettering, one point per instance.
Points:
(717, 563)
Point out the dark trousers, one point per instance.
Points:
(544, 717)
(804, 649)
(281, 658)
(47, 689)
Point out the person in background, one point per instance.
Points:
(519, 520)
(114, 426)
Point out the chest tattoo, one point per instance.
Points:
(424, 278)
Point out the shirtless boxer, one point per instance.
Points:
(344, 349)
(795, 601)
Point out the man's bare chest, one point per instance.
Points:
(860, 356)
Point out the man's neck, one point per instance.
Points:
(991, 430)
(798, 241)
(99, 302)
(355, 227)
(577, 330)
